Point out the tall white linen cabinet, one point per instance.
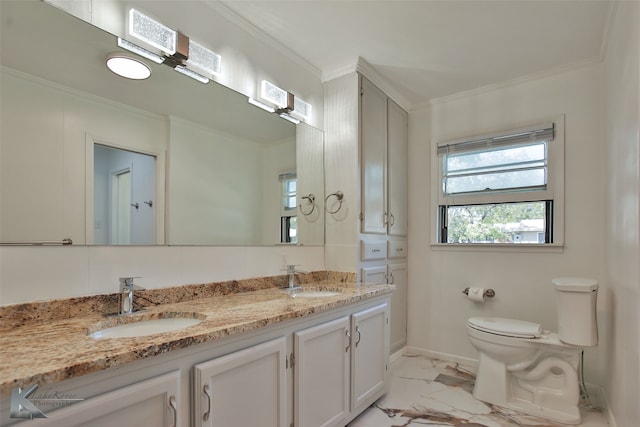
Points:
(366, 139)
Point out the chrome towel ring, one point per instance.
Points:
(339, 196)
(311, 199)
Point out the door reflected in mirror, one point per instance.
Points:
(124, 187)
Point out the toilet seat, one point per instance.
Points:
(506, 327)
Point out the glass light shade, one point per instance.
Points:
(128, 67)
(192, 74)
(272, 93)
(203, 58)
(152, 32)
(289, 118)
(259, 104)
(301, 109)
(134, 48)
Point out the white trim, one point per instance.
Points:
(360, 65)
(551, 72)
(256, 32)
(499, 247)
(447, 357)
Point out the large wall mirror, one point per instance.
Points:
(100, 159)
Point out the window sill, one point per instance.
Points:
(499, 247)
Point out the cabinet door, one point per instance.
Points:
(373, 145)
(397, 176)
(370, 355)
(322, 374)
(245, 388)
(398, 326)
(152, 402)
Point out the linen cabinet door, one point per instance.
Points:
(245, 388)
(322, 374)
(397, 175)
(373, 146)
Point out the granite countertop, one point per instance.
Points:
(46, 350)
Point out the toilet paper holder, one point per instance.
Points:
(489, 293)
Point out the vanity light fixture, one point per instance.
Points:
(190, 73)
(203, 58)
(259, 104)
(127, 66)
(177, 50)
(152, 32)
(274, 95)
(301, 109)
(134, 48)
(289, 118)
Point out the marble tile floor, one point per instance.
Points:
(435, 393)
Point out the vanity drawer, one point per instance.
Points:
(398, 249)
(373, 250)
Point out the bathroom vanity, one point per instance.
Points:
(265, 357)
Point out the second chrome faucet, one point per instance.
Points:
(127, 289)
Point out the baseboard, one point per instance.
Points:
(603, 400)
(395, 356)
(473, 363)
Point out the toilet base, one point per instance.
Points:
(536, 391)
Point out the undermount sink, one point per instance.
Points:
(314, 294)
(144, 327)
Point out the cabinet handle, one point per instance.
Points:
(174, 407)
(207, 392)
(359, 335)
(348, 341)
(392, 220)
(385, 219)
(393, 279)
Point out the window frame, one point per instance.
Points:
(554, 190)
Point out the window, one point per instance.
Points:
(288, 208)
(505, 188)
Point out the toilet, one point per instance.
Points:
(531, 370)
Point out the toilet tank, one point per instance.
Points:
(577, 324)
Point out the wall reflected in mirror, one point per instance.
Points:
(216, 161)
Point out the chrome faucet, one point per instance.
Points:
(127, 288)
(291, 271)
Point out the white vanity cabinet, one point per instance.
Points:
(244, 388)
(341, 367)
(152, 402)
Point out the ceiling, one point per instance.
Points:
(428, 49)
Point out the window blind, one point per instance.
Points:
(537, 133)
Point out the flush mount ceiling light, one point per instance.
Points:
(127, 66)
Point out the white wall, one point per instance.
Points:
(622, 228)
(209, 201)
(522, 280)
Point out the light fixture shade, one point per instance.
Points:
(190, 73)
(203, 58)
(127, 66)
(272, 93)
(259, 104)
(134, 48)
(152, 32)
(301, 109)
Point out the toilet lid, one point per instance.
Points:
(506, 327)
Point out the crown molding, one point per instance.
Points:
(519, 80)
(233, 17)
